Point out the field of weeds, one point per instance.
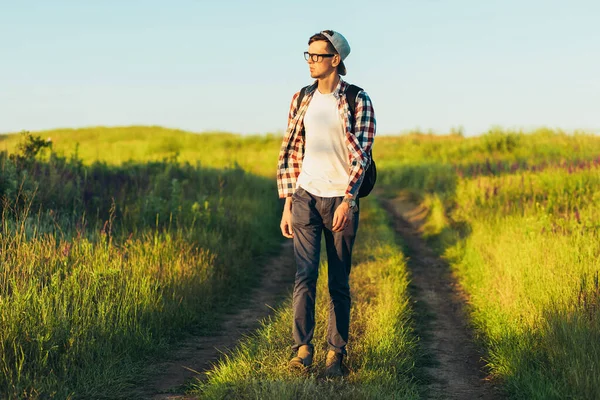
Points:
(116, 243)
(518, 218)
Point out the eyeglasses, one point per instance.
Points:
(316, 57)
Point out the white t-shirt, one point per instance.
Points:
(325, 169)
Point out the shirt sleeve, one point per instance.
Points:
(287, 170)
(364, 130)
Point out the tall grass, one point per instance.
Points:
(256, 154)
(103, 266)
(115, 242)
(529, 264)
(518, 221)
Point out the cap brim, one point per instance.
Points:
(342, 68)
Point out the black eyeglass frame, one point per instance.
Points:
(316, 57)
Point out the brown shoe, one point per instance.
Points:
(333, 364)
(304, 358)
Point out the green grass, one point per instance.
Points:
(518, 222)
(117, 242)
(382, 348)
(103, 267)
(529, 264)
(256, 154)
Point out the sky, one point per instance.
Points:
(234, 65)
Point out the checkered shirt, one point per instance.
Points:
(359, 141)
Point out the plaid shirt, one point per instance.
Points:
(359, 142)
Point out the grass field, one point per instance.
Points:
(519, 224)
(103, 266)
(382, 352)
(117, 242)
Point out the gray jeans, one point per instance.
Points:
(311, 216)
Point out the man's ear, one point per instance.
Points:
(336, 60)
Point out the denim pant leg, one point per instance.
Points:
(339, 260)
(307, 226)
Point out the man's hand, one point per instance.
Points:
(342, 217)
(286, 219)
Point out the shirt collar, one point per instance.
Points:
(340, 88)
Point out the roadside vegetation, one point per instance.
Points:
(256, 154)
(103, 266)
(382, 348)
(517, 217)
(115, 243)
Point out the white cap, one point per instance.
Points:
(340, 44)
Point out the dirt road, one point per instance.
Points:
(457, 370)
(195, 356)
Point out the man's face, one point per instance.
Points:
(327, 65)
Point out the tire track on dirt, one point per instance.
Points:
(458, 372)
(195, 356)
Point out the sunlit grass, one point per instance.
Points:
(140, 235)
(103, 267)
(520, 229)
(256, 154)
(382, 344)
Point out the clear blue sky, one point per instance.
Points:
(233, 65)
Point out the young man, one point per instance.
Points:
(322, 162)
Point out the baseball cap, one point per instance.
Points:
(340, 44)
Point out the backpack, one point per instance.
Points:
(371, 172)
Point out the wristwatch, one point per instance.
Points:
(351, 202)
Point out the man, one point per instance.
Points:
(322, 162)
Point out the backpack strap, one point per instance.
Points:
(351, 93)
(300, 97)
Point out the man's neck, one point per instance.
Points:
(328, 84)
